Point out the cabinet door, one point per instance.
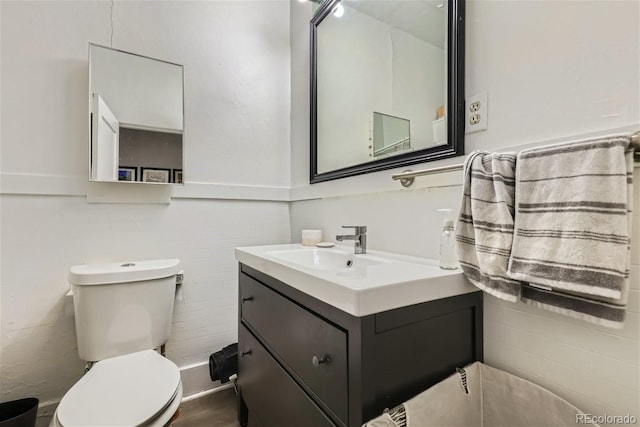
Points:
(314, 350)
(267, 389)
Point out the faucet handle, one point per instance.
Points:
(359, 229)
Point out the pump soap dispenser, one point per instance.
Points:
(448, 258)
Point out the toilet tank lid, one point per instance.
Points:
(121, 272)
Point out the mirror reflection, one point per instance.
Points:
(137, 121)
(391, 135)
(381, 84)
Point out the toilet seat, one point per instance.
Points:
(129, 390)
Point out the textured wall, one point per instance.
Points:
(236, 61)
(43, 236)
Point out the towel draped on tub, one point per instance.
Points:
(567, 248)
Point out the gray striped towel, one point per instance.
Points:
(572, 228)
(484, 231)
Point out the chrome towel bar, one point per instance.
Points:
(407, 177)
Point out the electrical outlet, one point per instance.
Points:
(476, 113)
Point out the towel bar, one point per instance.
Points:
(407, 177)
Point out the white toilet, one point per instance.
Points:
(123, 311)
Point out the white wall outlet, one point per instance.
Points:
(476, 113)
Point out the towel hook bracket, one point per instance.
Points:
(408, 181)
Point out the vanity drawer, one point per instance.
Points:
(313, 349)
(267, 389)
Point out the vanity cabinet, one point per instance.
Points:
(303, 362)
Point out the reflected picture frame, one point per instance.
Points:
(176, 176)
(127, 173)
(155, 175)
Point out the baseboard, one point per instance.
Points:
(207, 392)
(196, 381)
(45, 412)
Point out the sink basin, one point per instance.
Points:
(356, 284)
(325, 259)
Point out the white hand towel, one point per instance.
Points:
(573, 227)
(485, 224)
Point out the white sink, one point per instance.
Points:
(325, 258)
(357, 284)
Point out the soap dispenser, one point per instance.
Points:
(448, 257)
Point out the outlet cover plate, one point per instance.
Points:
(476, 113)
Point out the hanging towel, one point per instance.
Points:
(484, 231)
(573, 227)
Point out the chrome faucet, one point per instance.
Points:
(359, 237)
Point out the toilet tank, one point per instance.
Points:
(122, 308)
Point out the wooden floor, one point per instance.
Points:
(214, 410)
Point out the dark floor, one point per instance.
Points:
(213, 410)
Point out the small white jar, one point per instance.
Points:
(311, 237)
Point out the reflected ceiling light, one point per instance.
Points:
(338, 10)
(440, 6)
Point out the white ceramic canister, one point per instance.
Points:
(311, 237)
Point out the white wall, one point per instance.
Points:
(553, 70)
(236, 61)
(357, 77)
(419, 68)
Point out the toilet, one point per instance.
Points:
(123, 312)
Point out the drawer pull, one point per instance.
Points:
(244, 299)
(316, 362)
(245, 353)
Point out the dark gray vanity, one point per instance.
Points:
(303, 362)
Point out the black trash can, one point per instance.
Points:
(19, 413)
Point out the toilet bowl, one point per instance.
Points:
(138, 389)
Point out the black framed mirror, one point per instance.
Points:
(387, 85)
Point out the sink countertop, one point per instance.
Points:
(384, 281)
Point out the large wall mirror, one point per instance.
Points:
(137, 118)
(387, 85)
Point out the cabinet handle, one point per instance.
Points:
(245, 353)
(244, 299)
(316, 362)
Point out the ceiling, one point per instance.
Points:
(422, 19)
